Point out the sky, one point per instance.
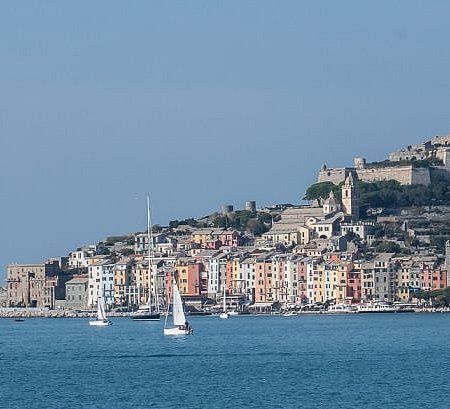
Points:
(200, 104)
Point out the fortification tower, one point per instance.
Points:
(350, 197)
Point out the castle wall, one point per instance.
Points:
(441, 140)
(421, 176)
(439, 174)
(336, 175)
(406, 175)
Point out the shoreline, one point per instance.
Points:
(13, 313)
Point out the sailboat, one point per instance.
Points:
(145, 312)
(224, 314)
(102, 320)
(180, 325)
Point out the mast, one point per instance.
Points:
(150, 259)
(224, 300)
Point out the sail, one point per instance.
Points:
(178, 312)
(101, 314)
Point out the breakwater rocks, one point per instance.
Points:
(47, 313)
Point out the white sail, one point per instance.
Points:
(101, 314)
(178, 312)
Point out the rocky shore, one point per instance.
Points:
(46, 313)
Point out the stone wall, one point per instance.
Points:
(406, 175)
(439, 174)
(336, 175)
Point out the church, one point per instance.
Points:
(336, 212)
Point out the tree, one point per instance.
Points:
(321, 189)
(256, 227)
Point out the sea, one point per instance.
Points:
(311, 361)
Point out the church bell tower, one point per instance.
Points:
(350, 197)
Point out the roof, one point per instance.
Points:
(78, 280)
(330, 220)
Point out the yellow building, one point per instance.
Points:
(201, 236)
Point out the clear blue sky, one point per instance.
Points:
(200, 103)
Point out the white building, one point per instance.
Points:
(247, 267)
(217, 267)
(363, 230)
(80, 257)
(101, 282)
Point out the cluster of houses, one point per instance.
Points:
(305, 258)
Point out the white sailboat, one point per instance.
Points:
(101, 320)
(224, 315)
(180, 325)
(147, 312)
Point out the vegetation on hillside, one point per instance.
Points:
(388, 194)
(256, 223)
(127, 239)
(391, 194)
(242, 220)
(439, 298)
(322, 190)
(173, 224)
(416, 163)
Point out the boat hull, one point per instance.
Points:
(224, 316)
(100, 323)
(146, 317)
(177, 331)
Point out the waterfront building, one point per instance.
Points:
(278, 266)
(217, 269)
(77, 294)
(406, 278)
(35, 285)
(235, 278)
(433, 278)
(300, 290)
(384, 284)
(367, 278)
(263, 281)
(101, 282)
(314, 274)
(247, 267)
(3, 297)
(123, 279)
(190, 280)
(354, 283)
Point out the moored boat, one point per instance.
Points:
(340, 309)
(149, 312)
(224, 315)
(376, 307)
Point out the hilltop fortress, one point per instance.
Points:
(417, 164)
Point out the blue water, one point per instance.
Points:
(353, 361)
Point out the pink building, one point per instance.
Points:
(302, 294)
(354, 286)
(433, 279)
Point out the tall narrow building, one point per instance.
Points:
(350, 197)
(447, 260)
